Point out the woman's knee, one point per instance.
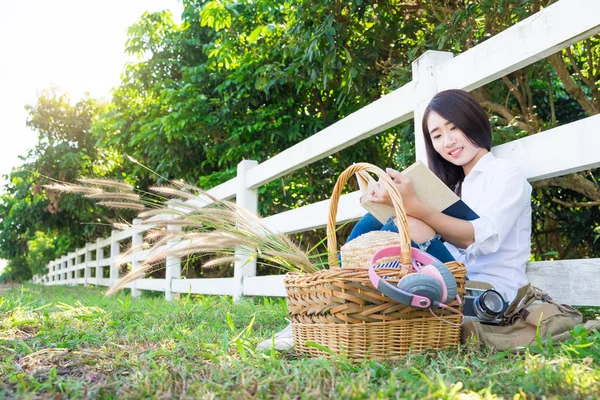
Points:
(419, 231)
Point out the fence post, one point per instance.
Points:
(51, 270)
(99, 256)
(137, 239)
(87, 270)
(55, 269)
(172, 264)
(64, 266)
(51, 267)
(248, 199)
(115, 251)
(426, 86)
(71, 268)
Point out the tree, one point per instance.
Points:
(38, 226)
(560, 89)
(247, 80)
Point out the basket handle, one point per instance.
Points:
(401, 221)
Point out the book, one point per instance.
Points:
(429, 188)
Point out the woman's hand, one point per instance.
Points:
(412, 204)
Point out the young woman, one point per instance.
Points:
(494, 247)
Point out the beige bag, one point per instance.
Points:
(531, 307)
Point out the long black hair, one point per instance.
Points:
(461, 109)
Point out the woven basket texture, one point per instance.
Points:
(340, 309)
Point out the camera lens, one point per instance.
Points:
(488, 305)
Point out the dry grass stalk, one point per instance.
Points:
(106, 183)
(122, 205)
(178, 222)
(173, 192)
(163, 240)
(220, 261)
(130, 277)
(123, 259)
(299, 259)
(114, 196)
(151, 261)
(155, 234)
(208, 226)
(66, 188)
(152, 213)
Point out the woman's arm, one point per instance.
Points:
(507, 196)
(456, 231)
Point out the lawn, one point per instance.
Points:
(73, 342)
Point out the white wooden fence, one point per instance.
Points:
(562, 150)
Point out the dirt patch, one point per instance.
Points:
(5, 287)
(22, 332)
(54, 363)
(66, 362)
(45, 359)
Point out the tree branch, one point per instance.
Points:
(393, 149)
(576, 203)
(515, 91)
(527, 85)
(589, 83)
(590, 174)
(571, 86)
(505, 112)
(551, 102)
(593, 76)
(576, 182)
(562, 254)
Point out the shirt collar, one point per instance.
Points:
(483, 164)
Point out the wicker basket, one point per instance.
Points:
(340, 309)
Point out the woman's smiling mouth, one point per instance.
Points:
(456, 152)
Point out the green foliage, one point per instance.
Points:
(38, 227)
(248, 80)
(40, 249)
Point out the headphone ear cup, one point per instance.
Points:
(422, 285)
(449, 280)
(443, 275)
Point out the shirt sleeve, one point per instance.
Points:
(505, 199)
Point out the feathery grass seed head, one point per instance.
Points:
(106, 183)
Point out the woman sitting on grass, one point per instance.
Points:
(494, 247)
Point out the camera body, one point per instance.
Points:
(485, 306)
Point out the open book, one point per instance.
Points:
(429, 188)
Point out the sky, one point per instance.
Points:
(76, 46)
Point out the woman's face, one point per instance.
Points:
(452, 144)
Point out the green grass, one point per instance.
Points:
(73, 342)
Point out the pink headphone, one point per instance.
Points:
(431, 285)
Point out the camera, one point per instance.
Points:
(485, 306)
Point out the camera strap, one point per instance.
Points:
(526, 296)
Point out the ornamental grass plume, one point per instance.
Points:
(184, 220)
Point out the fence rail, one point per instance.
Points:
(555, 152)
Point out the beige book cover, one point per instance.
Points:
(428, 187)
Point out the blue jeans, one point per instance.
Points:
(433, 246)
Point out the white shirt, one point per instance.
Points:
(499, 193)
